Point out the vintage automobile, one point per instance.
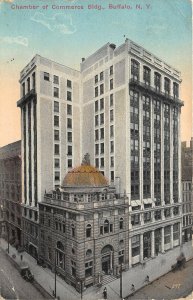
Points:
(26, 273)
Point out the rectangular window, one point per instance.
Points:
(69, 137)
(69, 109)
(135, 245)
(96, 106)
(96, 91)
(69, 96)
(56, 121)
(111, 70)
(102, 162)
(23, 89)
(96, 149)
(56, 135)
(56, 79)
(28, 84)
(112, 176)
(56, 149)
(111, 131)
(102, 148)
(101, 119)
(56, 106)
(101, 89)
(46, 76)
(69, 163)
(96, 78)
(101, 76)
(111, 84)
(102, 133)
(112, 161)
(69, 150)
(69, 83)
(97, 163)
(112, 146)
(34, 80)
(96, 135)
(69, 123)
(56, 92)
(111, 99)
(102, 104)
(56, 163)
(111, 115)
(96, 120)
(57, 176)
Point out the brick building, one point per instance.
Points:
(10, 192)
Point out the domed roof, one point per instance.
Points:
(85, 175)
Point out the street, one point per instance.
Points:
(12, 285)
(173, 285)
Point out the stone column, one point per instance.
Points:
(162, 238)
(141, 247)
(130, 254)
(171, 238)
(180, 233)
(111, 260)
(152, 243)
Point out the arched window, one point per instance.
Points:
(135, 69)
(89, 252)
(106, 226)
(121, 223)
(88, 231)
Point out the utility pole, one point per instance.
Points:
(55, 276)
(121, 282)
(7, 238)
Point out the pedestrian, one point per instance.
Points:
(105, 293)
(21, 256)
(132, 289)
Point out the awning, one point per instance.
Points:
(135, 202)
(147, 201)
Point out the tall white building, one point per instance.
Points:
(123, 108)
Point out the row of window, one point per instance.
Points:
(47, 77)
(135, 74)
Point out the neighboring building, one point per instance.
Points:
(85, 226)
(123, 107)
(50, 117)
(10, 192)
(187, 191)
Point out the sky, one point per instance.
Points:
(162, 27)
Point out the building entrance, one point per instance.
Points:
(107, 259)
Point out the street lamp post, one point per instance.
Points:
(55, 276)
(7, 237)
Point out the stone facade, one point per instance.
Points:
(123, 107)
(10, 193)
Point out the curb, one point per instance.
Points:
(44, 293)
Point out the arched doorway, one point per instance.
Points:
(107, 259)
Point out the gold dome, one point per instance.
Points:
(85, 175)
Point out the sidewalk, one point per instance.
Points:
(46, 279)
(170, 286)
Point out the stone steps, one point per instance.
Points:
(108, 278)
